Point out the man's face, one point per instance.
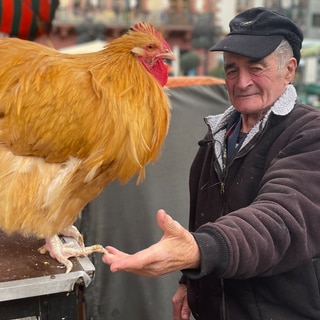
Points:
(253, 85)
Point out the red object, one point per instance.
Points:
(27, 19)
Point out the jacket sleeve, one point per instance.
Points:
(279, 229)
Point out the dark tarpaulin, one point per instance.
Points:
(125, 216)
(27, 19)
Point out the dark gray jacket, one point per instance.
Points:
(257, 223)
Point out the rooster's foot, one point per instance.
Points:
(63, 251)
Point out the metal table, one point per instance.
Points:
(32, 284)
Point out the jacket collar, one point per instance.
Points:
(218, 123)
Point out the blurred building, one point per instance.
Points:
(175, 16)
(187, 25)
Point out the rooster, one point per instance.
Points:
(72, 124)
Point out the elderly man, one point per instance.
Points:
(254, 241)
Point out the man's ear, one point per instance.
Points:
(291, 69)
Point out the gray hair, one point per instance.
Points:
(284, 52)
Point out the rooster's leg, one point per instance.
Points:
(74, 233)
(63, 251)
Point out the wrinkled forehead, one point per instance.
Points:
(233, 58)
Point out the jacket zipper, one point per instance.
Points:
(223, 301)
(222, 174)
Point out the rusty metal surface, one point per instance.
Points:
(24, 272)
(20, 259)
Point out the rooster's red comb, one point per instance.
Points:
(145, 27)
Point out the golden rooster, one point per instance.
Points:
(71, 124)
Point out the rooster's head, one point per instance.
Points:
(152, 50)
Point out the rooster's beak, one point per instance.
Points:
(168, 54)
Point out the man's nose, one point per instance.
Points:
(244, 79)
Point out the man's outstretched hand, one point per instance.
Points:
(176, 250)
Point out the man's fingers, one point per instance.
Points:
(180, 305)
(113, 256)
(185, 312)
(162, 218)
(114, 251)
(167, 224)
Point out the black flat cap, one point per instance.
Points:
(257, 32)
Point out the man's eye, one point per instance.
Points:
(256, 69)
(231, 73)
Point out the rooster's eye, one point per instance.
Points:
(150, 47)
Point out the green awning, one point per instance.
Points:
(312, 88)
